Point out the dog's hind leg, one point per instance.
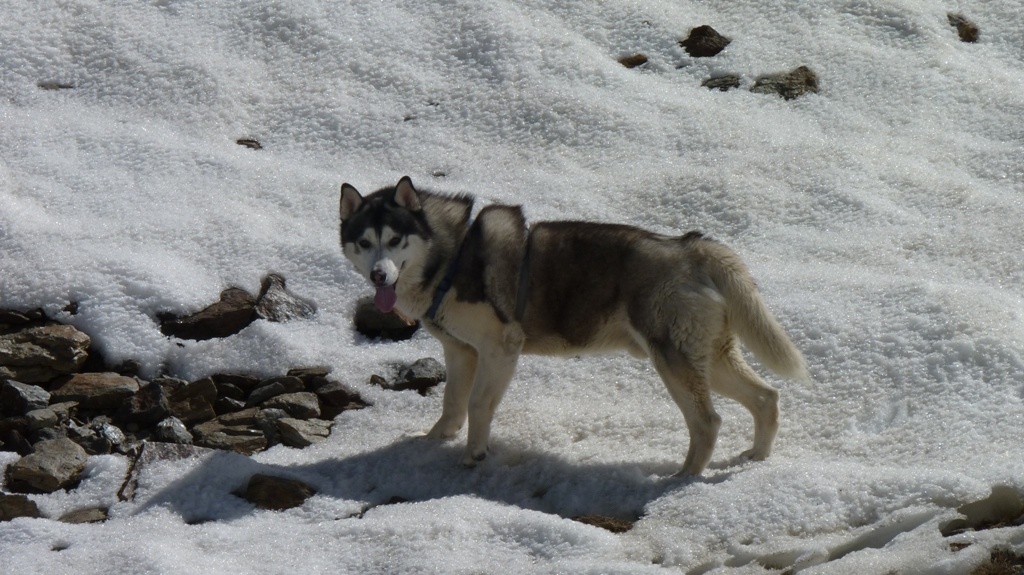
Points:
(495, 369)
(732, 377)
(688, 386)
(460, 362)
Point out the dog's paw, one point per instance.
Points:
(443, 430)
(754, 455)
(471, 459)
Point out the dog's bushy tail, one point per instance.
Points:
(749, 317)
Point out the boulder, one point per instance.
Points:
(54, 464)
(41, 353)
(95, 390)
(301, 404)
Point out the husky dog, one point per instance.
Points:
(493, 289)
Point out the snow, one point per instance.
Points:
(881, 218)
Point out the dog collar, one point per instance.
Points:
(446, 283)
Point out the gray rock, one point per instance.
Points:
(96, 390)
(18, 398)
(336, 398)
(55, 464)
(239, 432)
(276, 493)
(273, 387)
(91, 515)
(39, 354)
(302, 433)
(420, 376)
(275, 303)
(722, 83)
(789, 85)
(13, 506)
(301, 404)
(172, 430)
(148, 406)
(42, 418)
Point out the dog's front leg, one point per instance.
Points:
(495, 368)
(460, 363)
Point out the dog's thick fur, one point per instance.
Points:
(565, 288)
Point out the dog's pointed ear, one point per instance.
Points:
(350, 201)
(406, 195)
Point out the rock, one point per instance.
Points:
(301, 404)
(373, 323)
(13, 506)
(421, 375)
(273, 387)
(11, 320)
(246, 383)
(225, 405)
(233, 313)
(148, 406)
(335, 398)
(276, 493)
(145, 454)
(99, 437)
(722, 83)
(250, 143)
(12, 436)
(303, 433)
(634, 60)
(95, 390)
(275, 303)
(54, 85)
(790, 85)
(39, 354)
(229, 391)
(19, 398)
(193, 402)
(92, 515)
(704, 42)
(40, 418)
(54, 464)
(965, 28)
(613, 524)
(239, 432)
(172, 430)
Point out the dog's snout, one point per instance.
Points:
(378, 277)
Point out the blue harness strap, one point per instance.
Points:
(444, 286)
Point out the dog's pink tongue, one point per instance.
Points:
(385, 298)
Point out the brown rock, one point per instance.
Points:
(373, 323)
(967, 30)
(302, 404)
(233, 313)
(273, 387)
(92, 515)
(39, 354)
(276, 493)
(194, 402)
(55, 464)
(633, 61)
(13, 506)
(95, 390)
(275, 303)
(704, 42)
(302, 433)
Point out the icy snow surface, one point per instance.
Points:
(882, 218)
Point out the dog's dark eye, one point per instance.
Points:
(365, 244)
(393, 243)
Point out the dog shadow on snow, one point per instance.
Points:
(416, 470)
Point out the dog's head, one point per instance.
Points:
(382, 234)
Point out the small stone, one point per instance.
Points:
(790, 85)
(19, 398)
(225, 405)
(373, 323)
(54, 464)
(233, 313)
(633, 60)
(335, 398)
(13, 506)
(53, 85)
(42, 418)
(722, 83)
(275, 303)
(92, 515)
(422, 375)
(273, 387)
(276, 493)
(302, 404)
(303, 433)
(96, 390)
(613, 524)
(966, 29)
(148, 406)
(223, 434)
(172, 430)
(250, 143)
(704, 42)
